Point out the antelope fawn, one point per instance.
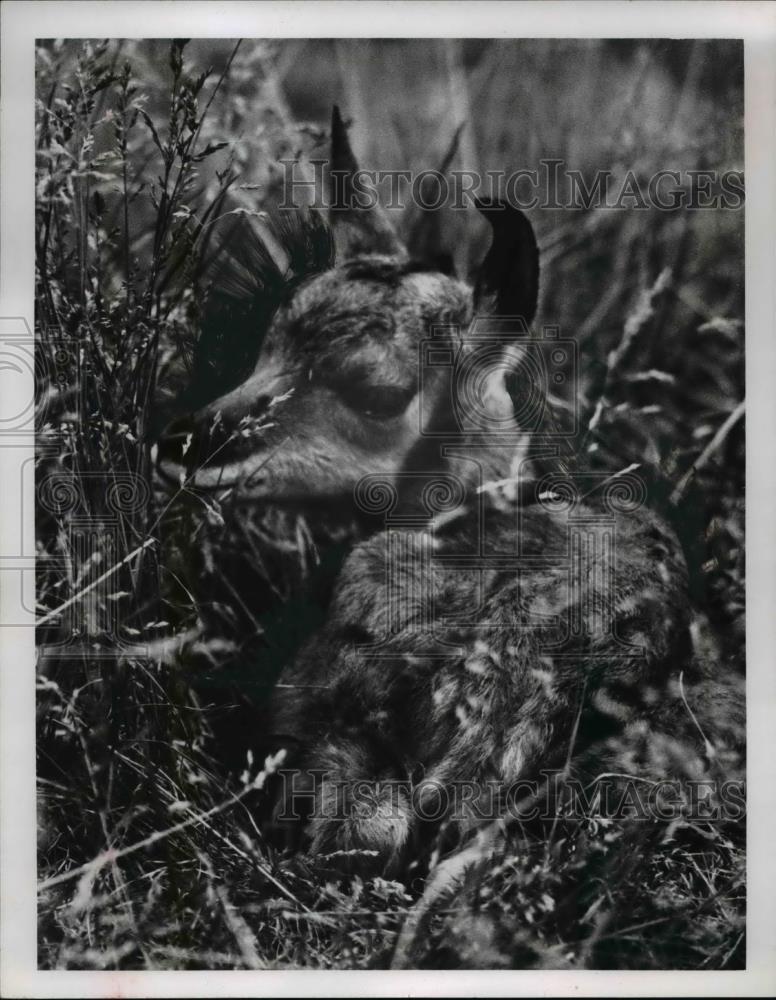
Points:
(496, 617)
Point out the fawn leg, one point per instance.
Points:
(445, 878)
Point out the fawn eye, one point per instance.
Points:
(378, 401)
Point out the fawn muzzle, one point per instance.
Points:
(225, 442)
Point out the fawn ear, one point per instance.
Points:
(356, 230)
(508, 280)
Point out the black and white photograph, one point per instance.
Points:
(386, 484)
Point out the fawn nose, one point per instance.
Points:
(175, 443)
(221, 432)
(205, 438)
(189, 441)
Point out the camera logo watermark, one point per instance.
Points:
(538, 373)
(497, 386)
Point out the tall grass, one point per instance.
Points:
(165, 618)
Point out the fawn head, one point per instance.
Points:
(331, 320)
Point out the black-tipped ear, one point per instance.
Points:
(356, 230)
(508, 281)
